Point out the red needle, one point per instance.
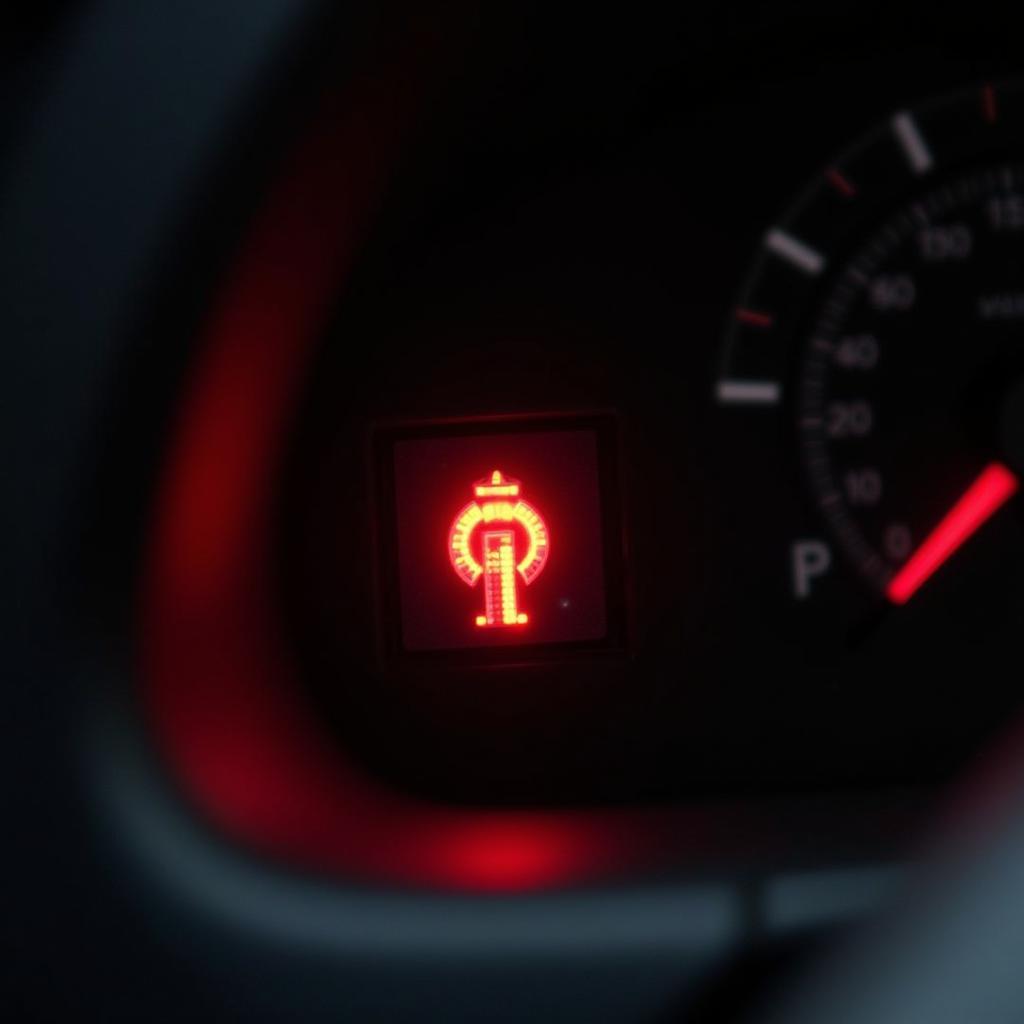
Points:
(989, 492)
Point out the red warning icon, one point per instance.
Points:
(500, 539)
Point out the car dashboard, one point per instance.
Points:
(520, 504)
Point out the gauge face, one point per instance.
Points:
(910, 376)
(881, 331)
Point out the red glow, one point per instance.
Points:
(989, 492)
(499, 852)
(497, 564)
(247, 752)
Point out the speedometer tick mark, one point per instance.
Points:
(795, 252)
(754, 318)
(748, 392)
(841, 183)
(912, 142)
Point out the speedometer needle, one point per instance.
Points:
(990, 491)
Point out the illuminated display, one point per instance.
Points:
(498, 564)
(499, 534)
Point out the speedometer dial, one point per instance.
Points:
(882, 328)
(909, 382)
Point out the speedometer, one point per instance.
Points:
(884, 320)
(909, 383)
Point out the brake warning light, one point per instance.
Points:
(498, 538)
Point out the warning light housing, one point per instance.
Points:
(533, 560)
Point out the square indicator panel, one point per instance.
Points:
(502, 534)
